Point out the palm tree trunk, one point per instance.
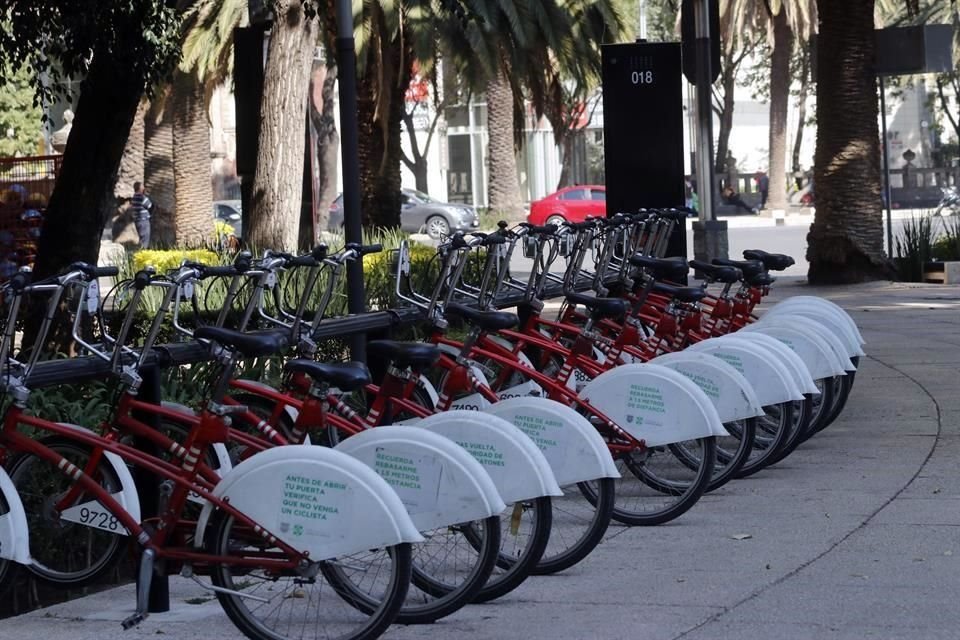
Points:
(380, 107)
(328, 142)
(504, 186)
(159, 180)
(779, 107)
(278, 179)
(131, 164)
(802, 96)
(846, 237)
(193, 217)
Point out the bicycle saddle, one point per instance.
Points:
(662, 268)
(486, 320)
(761, 280)
(404, 354)
(251, 345)
(683, 294)
(750, 268)
(346, 376)
(772, 261)
(605, 307)
(716, 272)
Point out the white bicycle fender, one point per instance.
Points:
(224, 464)
(731, 393)
(128, 497)
(826, 316)
(439, 483)
(822, 331)
(771, 379)
(315, 499)
(573, 447)
(654, 403)
(790, 360)
(518, 468)
(14, 534)
(823, 303)
(815, 352)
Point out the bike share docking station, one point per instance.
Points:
(643, 127)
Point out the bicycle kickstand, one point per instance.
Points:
(144, 579)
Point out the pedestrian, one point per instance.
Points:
(763, 187)
(732, 197)
(140, 206)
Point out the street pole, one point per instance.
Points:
(886, 166)
(704, 96)
(349, 150)
(642, 21)
(709, 234)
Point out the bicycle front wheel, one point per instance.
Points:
(312, 603)
(67, 553)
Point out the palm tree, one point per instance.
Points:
(846, 237)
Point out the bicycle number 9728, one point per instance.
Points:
(93, 514)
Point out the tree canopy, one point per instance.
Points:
(56, 40)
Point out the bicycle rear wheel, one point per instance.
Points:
(524, 534)
(657, 487)
(65, 553)
(772, 430)
(732, 451)
(314, 603)
(578, 525)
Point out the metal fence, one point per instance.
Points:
(25, 188)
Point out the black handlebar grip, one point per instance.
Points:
(216, 271)
(458, 240)
(93, 271)
(370, 248)
(492, 239)
(302, 261)
(20, 280)
(142, 280)
(242, 262)
(319, 252)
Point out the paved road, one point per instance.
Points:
(854, 536)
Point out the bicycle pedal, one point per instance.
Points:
(133, 621)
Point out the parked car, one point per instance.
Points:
(571, 204)
(421, 213)
(228, 212)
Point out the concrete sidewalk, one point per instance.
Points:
(854, 536)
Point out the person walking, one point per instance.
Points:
(140, 206)
(763, 187)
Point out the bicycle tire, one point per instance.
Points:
(842, 385)
(822, 407)
(516, 560)
(731, 452)
(648, 495)
(352, 622)
(772, 431)
(564, 551)
(54, 559)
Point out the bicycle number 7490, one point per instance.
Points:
(93, 514)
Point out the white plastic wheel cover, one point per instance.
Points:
(827, 316)
(821, 330)
(439, 483)
(128, 497)
(815, 301)
(790, 360)
(654, 403)
(14, 534)
(731, 393)
(317, 500)
(771, 379)
(573, 447)
(518, 468)
(815, 352)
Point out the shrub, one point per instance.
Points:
(164, 260)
